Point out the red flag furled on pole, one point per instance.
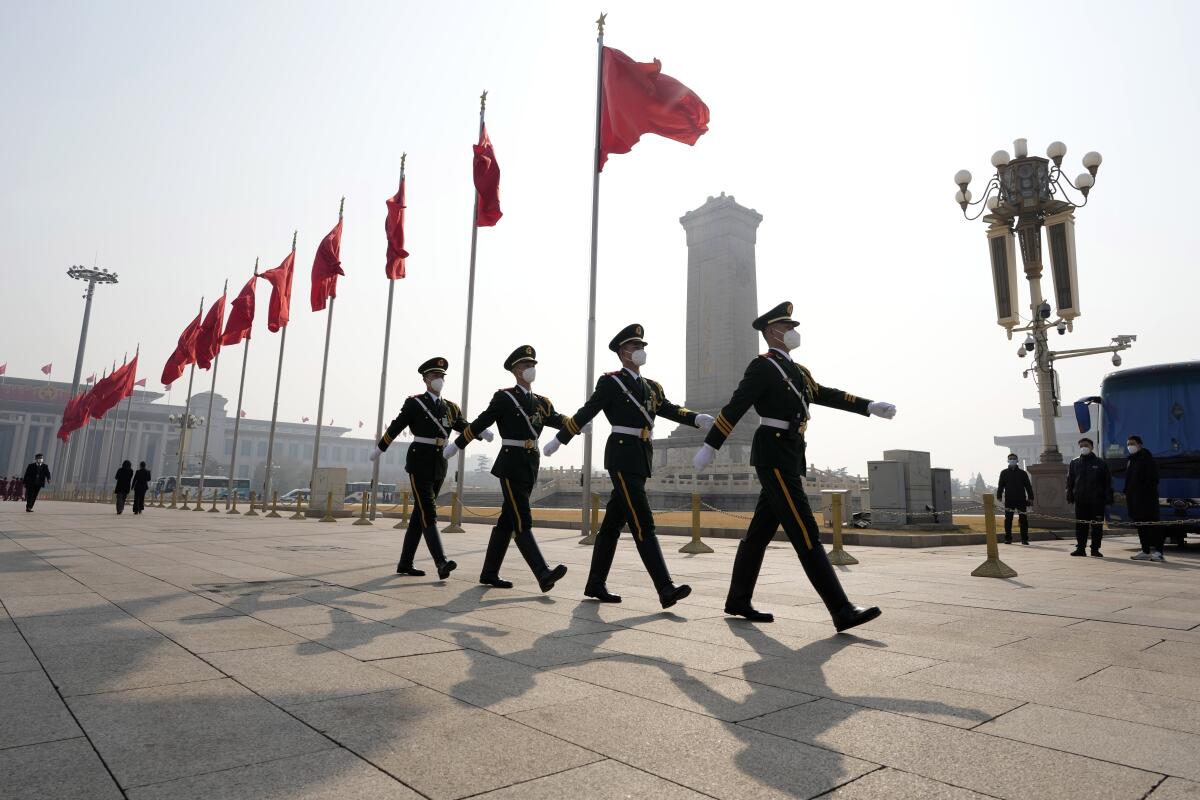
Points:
(185, 353)
(639, 99)
(487, 182)
(394, 226)
(326, 267)
(3, 368)
(208, 340)
(75, 416)
(113, 389)
(241, 315)
(280, 279)
(46, 369)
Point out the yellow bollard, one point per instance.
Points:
(184, 507)
(213, 510)
(299, 508)
(993, 567)
(233, 504)
(838, 556)
(456, 509)
(362, 512)
(695, 545)
(274, 506)
(199, 500)
(251, 512)
(328, 509)
(590, 539)
(403, 523)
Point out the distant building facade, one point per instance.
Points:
(1029, 446)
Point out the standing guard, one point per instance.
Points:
(631, 404)
(430, 418)
(781, 392)
(519, 415)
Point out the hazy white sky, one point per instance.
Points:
(180, 141)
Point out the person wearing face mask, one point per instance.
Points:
(1089, 488)
(37, 475)
(430, 419)
(1141, 499)
(781, 391)
(1016, 492)
(631, 404)
(520, 415)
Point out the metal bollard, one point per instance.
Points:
(993, 567)
(838, 556)
(233, 504)
(455, 525)
(299, 508)
(184, 507)
(403, 523)
(251, 512)
(362, 512)
(274, 506)
(213, 510)
(590, 539)
(695, 545)
(328, 509)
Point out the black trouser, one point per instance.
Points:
(1023, 520)
(31, 493)
(1089, 511)
(423, 520)
(1152, 538)
(515, 519)
(121, 500)
(782, 501)
(139, 500)
(628, 505)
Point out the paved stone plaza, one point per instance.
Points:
(195, 655)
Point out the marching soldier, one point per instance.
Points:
(430, 419)
(631, 404)
(781, 392)
(520, 415)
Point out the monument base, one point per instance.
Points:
(1050, 496)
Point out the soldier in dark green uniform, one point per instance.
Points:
(631, 404)
(519, 415)
(430, 419)
(781, 392)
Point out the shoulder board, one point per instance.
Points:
(451, 404)
(614, 372)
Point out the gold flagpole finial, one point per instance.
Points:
(600, 24)
(403, 158)
(483, 101)
(294, 240)
(341, 207)
(256, 266)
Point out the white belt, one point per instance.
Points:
(783, 425)
(641, 433)
(429, 440)
(528, 444)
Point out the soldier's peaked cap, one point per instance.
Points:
(435, 364)
(523, 353)
(630, 333)
(780, 313)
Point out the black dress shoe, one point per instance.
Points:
(749, 612)
(446, 567)
(602, 594)
(1097, 554)
(546, 582)
(673, 594)
(497, 582)
(1008, 540)
(1025, 542)
(1078, 551)
(409, 570)
(852, 615)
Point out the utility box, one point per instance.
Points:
(827, 506)
(329, 479)
(888, 485)
(943, 502)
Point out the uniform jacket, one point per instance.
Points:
(1141, 487)
(124, 478)
(1088, 481)
(141, 480)
(425, 460)
(37, 476)
(624, 452)
(1014, 489)
(766, 390)
(515, 463)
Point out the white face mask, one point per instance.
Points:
(1012, 462)
(436, 385)
(529, 374)
(638, 357)
(1085, 451)
(791, 339)
(1133, 448)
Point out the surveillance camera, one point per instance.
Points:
(1116, 359)
(1044, 310)
(1020, 352)
(1029, 344)
(1062, 328)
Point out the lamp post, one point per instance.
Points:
(186, 423)
(1026, 195)
(93, 276)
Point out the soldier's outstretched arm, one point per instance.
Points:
(397, 425)
(836, 398)
(754, 382)
(481, 423)
(550, 417)
(573, 425)
(671, 411)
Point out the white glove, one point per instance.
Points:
(704, 456)
(449, 451)
(487, 435)
(586, 428)
(885, 410)
(551, 447)
(376, 454)
(704, 421)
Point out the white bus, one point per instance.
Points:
(191, 485)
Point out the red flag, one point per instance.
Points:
(92, 378)
(140, 382)
(46, 369)
(280, 279)
(3, 368)
(304, 419)
(360, 423)
(208, 340)
(241, 315)
(487, 183)
(326, 267)
(242, 413)
(113, 389)
(639, 99)
(185, 353)
(75, 415)
(394, 226)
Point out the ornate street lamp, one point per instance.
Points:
(93, 276)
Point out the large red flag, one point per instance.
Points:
(208, 340)
(326, 267)
(487, 183)
(241, 315)
(280, 279)
(639, 99)
(74, 416)
(113, 389)
(394, 226)
(185, 353)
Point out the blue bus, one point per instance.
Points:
(1161, 404)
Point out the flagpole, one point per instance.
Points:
(183, 425)
(112, 436)
(455, 525)
(208, 417)
(237, 420)
(275, 405)
(312, 481)
(586, 500)
(129, 406)
(387, 340)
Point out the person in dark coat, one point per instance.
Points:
(37, 475)
(124, 479)
(141, 482)
(1089, 488)
(1141, 499)
(1016, 492)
